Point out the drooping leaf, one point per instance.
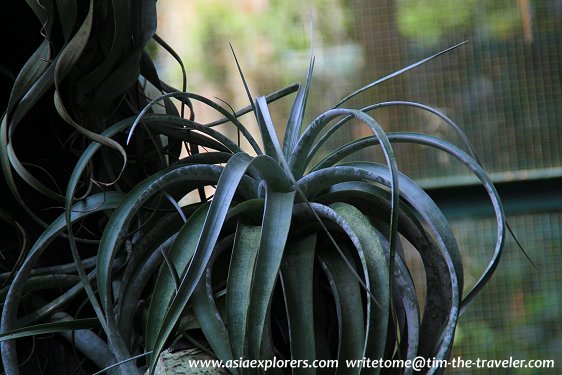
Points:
(347, 295)
(205, 101)
(92, 204)
(378, 273)
(377, 173)
(374, 202)
(472, 165)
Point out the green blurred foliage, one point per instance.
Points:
(260, 33)
(429, 21)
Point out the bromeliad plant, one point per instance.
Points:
(305, 261)
(288, 258)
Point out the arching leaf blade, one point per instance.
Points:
(275, 228)
(376, 259)
(347, 295)
(226, 188)
(53, 327)
(180, 254)
(297, 274)
(239, 283)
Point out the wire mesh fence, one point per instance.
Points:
(518, 314)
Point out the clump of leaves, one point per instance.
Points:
(289, 257)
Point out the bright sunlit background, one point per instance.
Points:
(503, 87)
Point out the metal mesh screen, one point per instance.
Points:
(518, 314)
(503, 87)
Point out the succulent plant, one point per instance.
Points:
(305, 261)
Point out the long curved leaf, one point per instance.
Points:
(275, 228)
(374, 202)
(378, 273)
(440, 115)
(68, 58)
(297, 274)
(298, 161)
(471, 164)
(239, 282)
(227, 185)
(180, 255)
(92, 204)
(121, 39)
(118, 223)
(396, 73)
(347, 295)
(206, 310)
(205, 101)
(54, 327)
(424, 206)
(29, 73)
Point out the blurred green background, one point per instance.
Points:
(504, 88)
